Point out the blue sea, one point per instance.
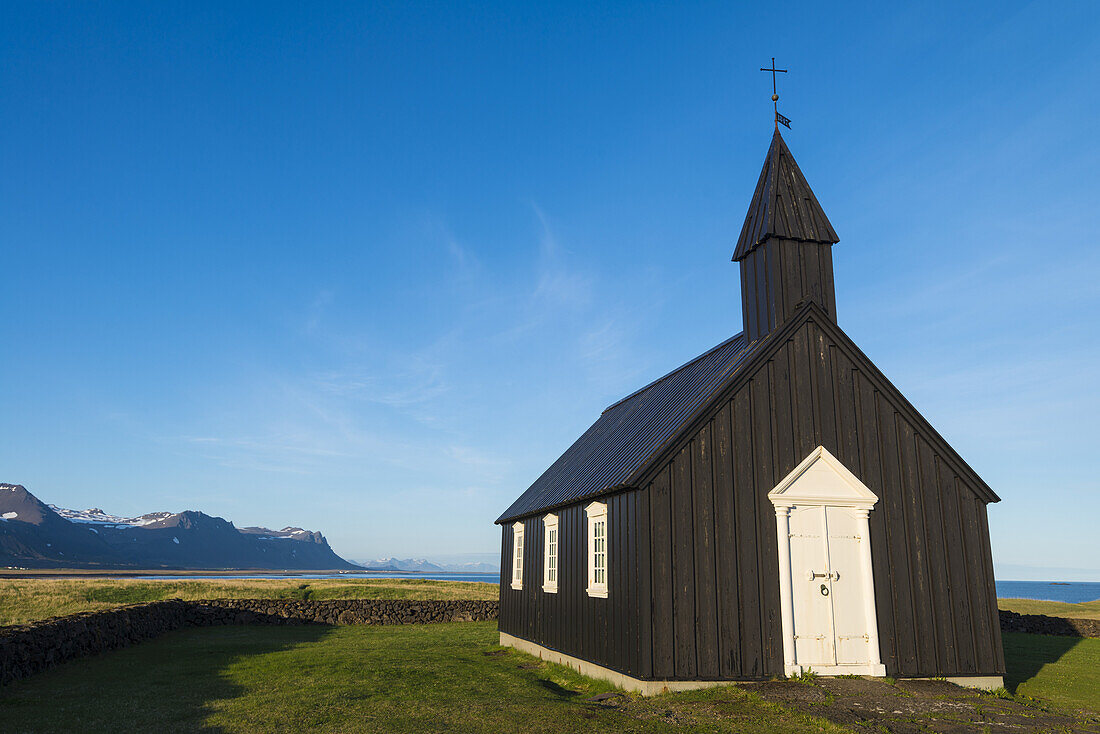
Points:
(1073, 592)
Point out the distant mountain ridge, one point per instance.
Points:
(422, 565)
(36, 535)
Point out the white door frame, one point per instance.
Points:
(850, 493)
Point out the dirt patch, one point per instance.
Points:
(782, 691)
(934, 688)
(915, 707)
(859, 687)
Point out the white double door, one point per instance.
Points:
(828, 589)
(826, 583)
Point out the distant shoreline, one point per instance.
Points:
(23, 573)
(1070, 592)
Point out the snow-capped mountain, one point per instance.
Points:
(422, 565)
(402, 564)
(474, 568)
(97, 516)
(33, 534)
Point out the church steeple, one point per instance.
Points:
(785, 247)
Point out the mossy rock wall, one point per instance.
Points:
(30, 648)
(1039, 624)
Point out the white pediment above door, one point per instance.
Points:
(822, 480)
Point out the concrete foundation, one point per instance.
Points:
(626, 682)
(653, 687)
(984, 682)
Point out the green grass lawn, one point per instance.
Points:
(421, 678)
(407, 678)
(416, 678)
(24, 600)
(1086, 610)
(1063, 670)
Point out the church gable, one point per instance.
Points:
(822, 388)
(811, 388)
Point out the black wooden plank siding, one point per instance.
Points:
(725, 536)
(937, 563)
(747, 550)
(646, 601)
(915, 521)
(782, 275)
(990, 589)
(683, 567)
(694, 573)
(763, 462)
(605, 631)
(661, 574)
(706, 589)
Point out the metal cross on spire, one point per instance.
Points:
(775, 97)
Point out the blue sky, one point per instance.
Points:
(369, 269)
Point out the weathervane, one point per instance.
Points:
(775, 97)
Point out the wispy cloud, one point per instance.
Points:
(557, 286)
(439, 410)
(414, 381)
(317, 308)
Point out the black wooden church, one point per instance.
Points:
(773, 506)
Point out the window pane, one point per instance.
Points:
(517, 571)
(552, 555)
(599, 552)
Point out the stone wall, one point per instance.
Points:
(30, 648)
(337, 611)
(1038, 624)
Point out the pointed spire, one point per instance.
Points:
(783, 205)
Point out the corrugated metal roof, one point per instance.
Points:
(783, 205)
(629, 432)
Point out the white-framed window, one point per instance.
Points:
(597, 549)
(517, 556)
(550, 554)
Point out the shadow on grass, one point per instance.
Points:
(557, 690)
(170, 684)
(1025, 655)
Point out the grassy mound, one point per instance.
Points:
(1082, 610)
